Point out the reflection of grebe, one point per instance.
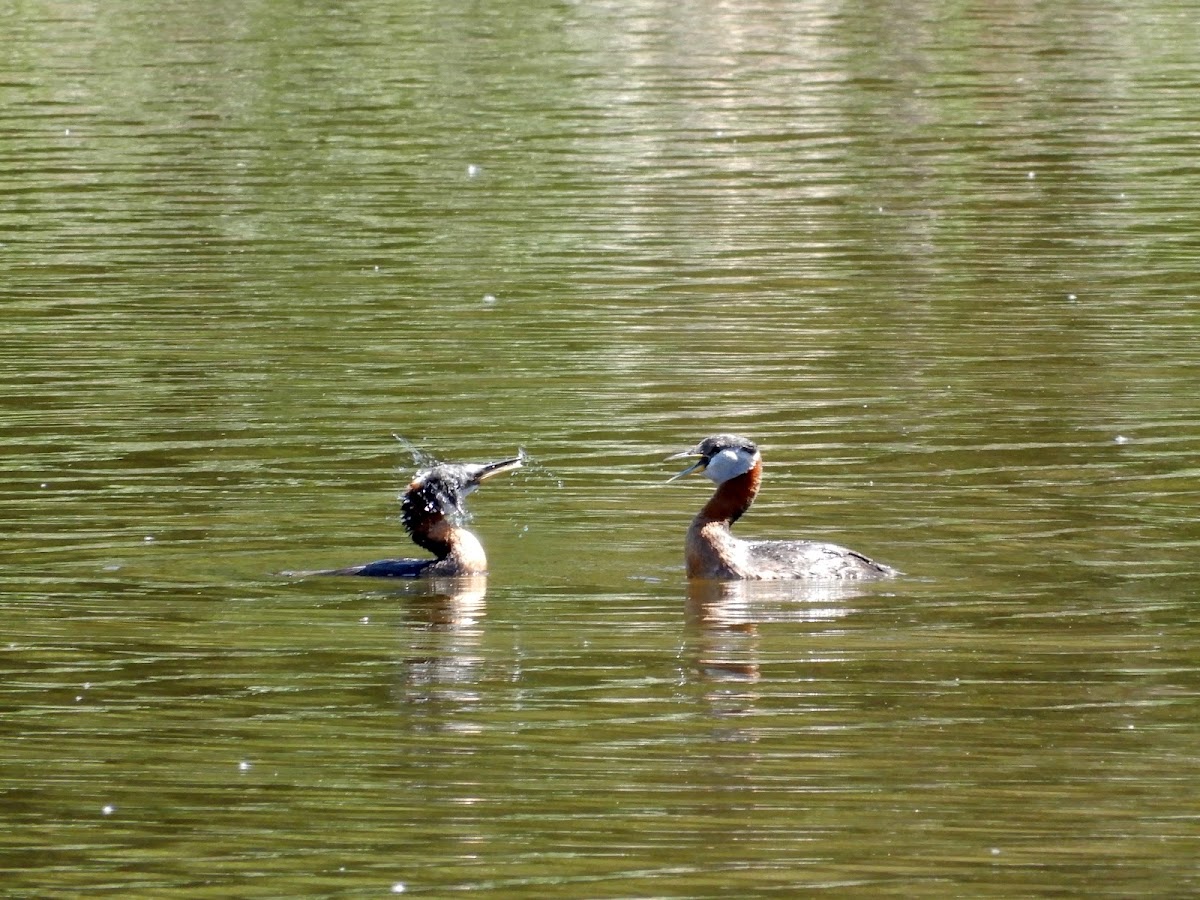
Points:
(431, 512)
(735, 465)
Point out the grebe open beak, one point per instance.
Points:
(480, 472)
(698, 466)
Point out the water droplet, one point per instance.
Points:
(108, 809)
(473, 170)
(399, 887)
(489, 298)
(1120, 439)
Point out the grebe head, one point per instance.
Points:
(720, 458)
(442, 489)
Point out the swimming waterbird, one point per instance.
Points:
(734, 464)
(433, 511)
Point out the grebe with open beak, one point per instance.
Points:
(734, 464)
(432, 511)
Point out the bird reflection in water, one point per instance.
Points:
(724, 635)
(449, 603)
(444, 654)
(743, 605)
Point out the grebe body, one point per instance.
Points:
(432, 511)
(734, 464)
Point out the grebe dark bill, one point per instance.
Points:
(431, 511)
(734, 464)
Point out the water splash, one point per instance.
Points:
(421, 459)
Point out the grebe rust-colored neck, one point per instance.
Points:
(733, 497)
(423, 516)
(457, 550)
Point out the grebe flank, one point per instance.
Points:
(734, 464)
(431, 511)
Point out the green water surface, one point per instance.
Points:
(939, 260)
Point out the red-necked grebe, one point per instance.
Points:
(431, 511)
(734, 464)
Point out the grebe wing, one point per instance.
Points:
(813, 559)
(386, 568)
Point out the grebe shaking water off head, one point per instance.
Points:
(735, 465)
(431, 511)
